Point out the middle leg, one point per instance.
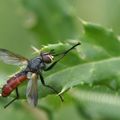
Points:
(44, 84)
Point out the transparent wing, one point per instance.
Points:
(11, 58)
(32, 90)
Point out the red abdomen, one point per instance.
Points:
(12, 83)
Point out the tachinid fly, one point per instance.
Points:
(34, 67)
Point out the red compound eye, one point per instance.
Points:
(47, 58)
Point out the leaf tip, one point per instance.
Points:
(63, 91)
(82, 21)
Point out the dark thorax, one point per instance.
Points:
(35, 65)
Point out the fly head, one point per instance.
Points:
(46, 57)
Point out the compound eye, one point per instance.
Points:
(47, 58)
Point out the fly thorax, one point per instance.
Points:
(34, 64)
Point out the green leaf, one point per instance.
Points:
(103, 70)
(89, 73)
(97, 35)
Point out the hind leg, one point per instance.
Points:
(17, 97)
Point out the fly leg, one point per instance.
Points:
(44, 84)
(17, 97)
(63, 54)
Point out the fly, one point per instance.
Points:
(32, 72)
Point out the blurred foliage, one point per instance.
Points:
(92, 68)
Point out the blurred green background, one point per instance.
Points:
(26, 23)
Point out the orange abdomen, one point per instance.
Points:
(12, 83)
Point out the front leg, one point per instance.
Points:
(63, 55)
(51, 66)
(44, 84)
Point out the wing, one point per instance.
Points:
(32, 90)
(11, 58)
